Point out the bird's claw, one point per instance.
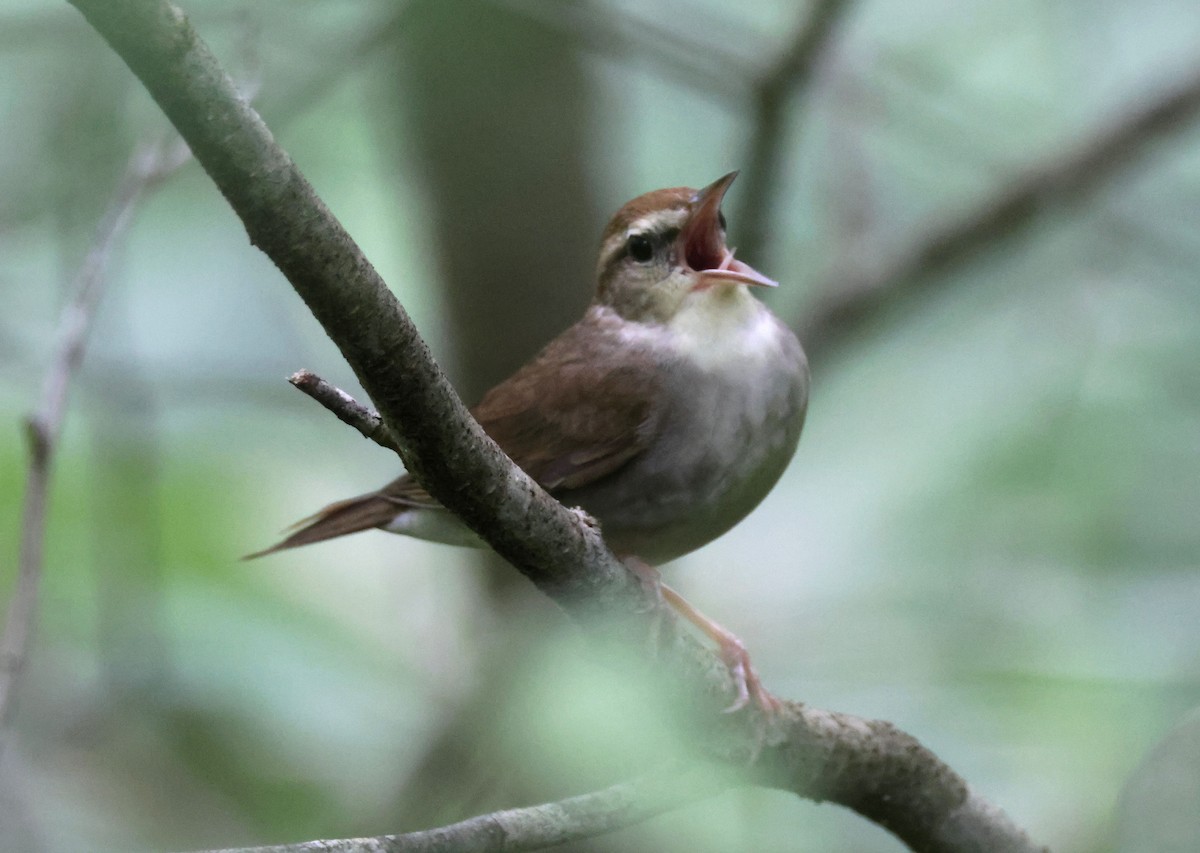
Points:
(745, 679)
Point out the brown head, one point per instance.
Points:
(665, 245)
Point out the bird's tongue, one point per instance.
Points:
(732, 270)
(703, 247)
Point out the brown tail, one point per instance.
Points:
(338, 519)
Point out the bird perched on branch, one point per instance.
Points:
(668, 412)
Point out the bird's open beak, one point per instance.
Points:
(701, 243)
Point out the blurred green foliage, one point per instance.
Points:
(990, 534)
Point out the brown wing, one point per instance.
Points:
(578, 412)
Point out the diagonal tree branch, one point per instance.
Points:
(868, 766)
(854, 296)
(285, 219)
(148, 165)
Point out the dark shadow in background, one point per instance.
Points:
(498, 110)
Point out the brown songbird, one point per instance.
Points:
(668, 412)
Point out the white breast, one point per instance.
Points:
(733, 412)
(723, 329)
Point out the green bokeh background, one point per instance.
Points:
(989, 536)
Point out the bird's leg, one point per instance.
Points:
(648, 576)
(733, 653)
(651, 580)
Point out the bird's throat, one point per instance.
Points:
(721, 327)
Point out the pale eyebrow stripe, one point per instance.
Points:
(673, 219)
(670, 218)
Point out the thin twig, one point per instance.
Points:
(852, 297)
(148, 165)
(775, 98)
(541, 826)
(348, 410)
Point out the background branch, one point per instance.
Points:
(707, 68)
(775, 98)
(868, 766)
(541, 826)
(149, 164)
(853, 296)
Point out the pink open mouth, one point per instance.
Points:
(702, 245)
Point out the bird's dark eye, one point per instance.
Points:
(640, 248)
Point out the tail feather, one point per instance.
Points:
(337, 519)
